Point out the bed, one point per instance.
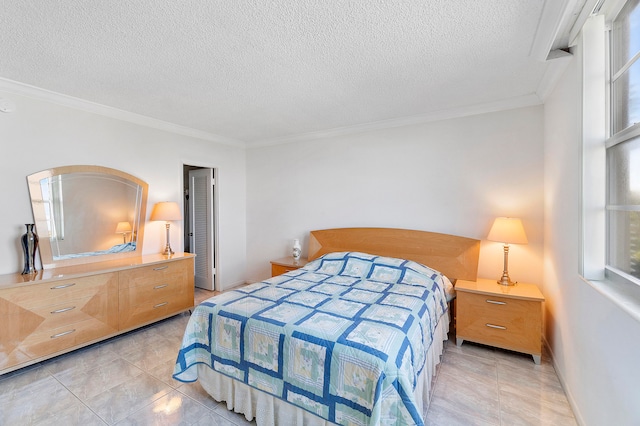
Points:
(353, 337)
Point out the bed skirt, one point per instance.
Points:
(269, 410)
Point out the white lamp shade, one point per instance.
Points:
(123, 227)
(166, 210)
(507, 230)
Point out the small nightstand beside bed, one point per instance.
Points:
(508, 317)
(353, 337)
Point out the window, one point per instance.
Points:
(623, 147)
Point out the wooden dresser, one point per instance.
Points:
(509, 317)
(59, 310)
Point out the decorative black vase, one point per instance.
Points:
(29, 245)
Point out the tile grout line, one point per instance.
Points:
(74, 395)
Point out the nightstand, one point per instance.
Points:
(508, 317)
(286, 264)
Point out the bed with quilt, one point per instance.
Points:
(351, 338)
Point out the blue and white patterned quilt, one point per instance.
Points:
(345, 337)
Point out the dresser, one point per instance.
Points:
(508, 317)
(59, 310)
(286, 264)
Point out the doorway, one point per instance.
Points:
(200, 223)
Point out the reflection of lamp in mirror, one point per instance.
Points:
(123, 228)
(167, 211)
(507, 230)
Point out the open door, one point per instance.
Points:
(202, 225)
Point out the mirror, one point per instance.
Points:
(86, 214)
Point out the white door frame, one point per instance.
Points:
(212, 218)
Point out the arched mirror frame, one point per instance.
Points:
(40, 216)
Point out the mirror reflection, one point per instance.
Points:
(87, 214)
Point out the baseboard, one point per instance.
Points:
(234, 285)
(563, 383)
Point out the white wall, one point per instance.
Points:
(595, 344)
(41, 134)
(453, 176)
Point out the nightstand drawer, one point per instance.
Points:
(497, 308)
(505, 322)
(279, 270)
(286, 264)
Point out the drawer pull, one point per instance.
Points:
(496, 302)
(58, 287)
(158, 287)
(160, 268)
(59, 311)
(499, 327)
(160, 304)
(64, 333)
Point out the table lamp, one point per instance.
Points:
(507, 230)
(123, 228)
(167, 211)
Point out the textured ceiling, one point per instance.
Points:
(252, 71)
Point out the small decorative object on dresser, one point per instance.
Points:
(496, 315)
(296, 250)
(286, 264)
(29, 242)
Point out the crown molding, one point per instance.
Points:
(95, 108)
(502, 105)
(111, 112)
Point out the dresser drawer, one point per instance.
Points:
(150, 295)
(505, 322)
(30, 315)
(77, 310)
(12, 358)
(143, 313)
(60, 291)
(155, 292)
(47, 342)
(169, 272)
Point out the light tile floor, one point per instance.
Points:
(127, 381)
(481, 385)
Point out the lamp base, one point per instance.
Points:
(505, 280)
(167, 249)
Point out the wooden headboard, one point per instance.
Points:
(456, 257)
